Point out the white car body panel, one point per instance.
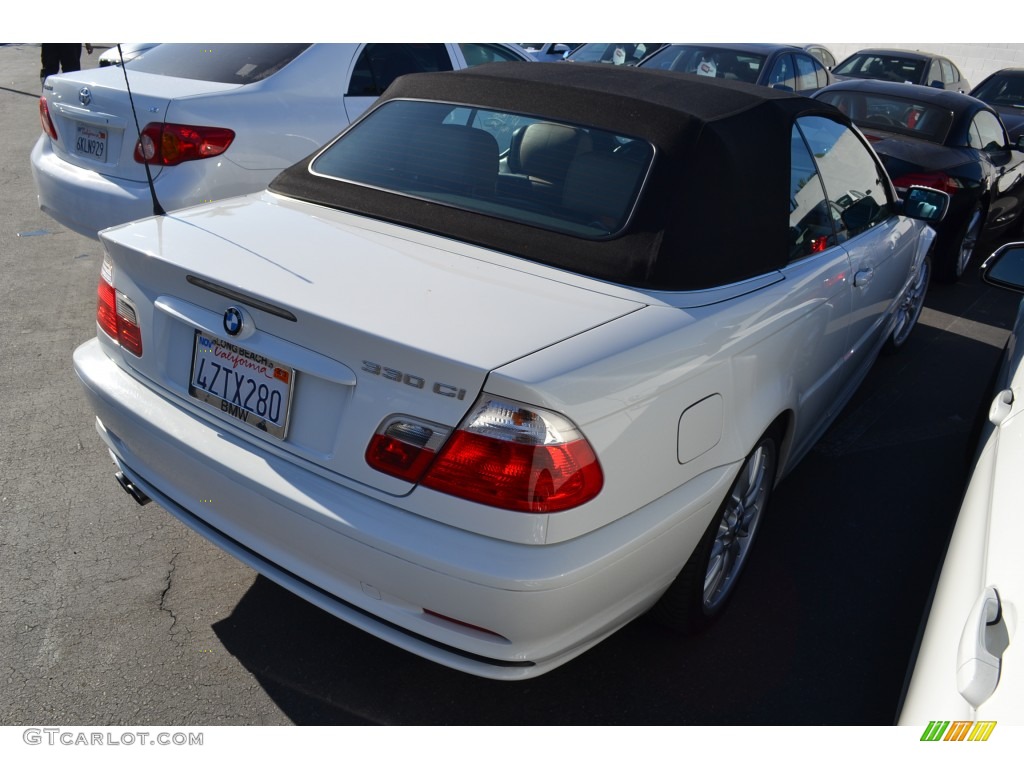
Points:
(984, 551)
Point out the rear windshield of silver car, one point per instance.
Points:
(237, 63)
(567, 178)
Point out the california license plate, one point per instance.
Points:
(242, 384)
(91, 141)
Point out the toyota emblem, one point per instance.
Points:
(233, 321)
(85, 96)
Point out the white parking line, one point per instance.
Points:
(983, 332)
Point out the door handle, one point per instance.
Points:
(863, 277)
(979, 657)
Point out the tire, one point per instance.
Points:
(703, 587)
(958, 252)
(909, 309)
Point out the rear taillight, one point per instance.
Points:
(106, 308)
(116, 315)
(932, 179)
(504, 454)
(171, 144)
(514, 456)
(44, 117)
(404, 447)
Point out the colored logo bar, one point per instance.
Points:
(958, 730)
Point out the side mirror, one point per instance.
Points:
(937, 84)
(926, 204)
(1005, 267)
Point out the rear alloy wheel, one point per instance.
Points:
(708, 579)
(959, 253)
(909, 308)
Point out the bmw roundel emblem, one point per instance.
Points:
(85, 96)
(233, 321)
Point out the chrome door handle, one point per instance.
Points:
(863, 277)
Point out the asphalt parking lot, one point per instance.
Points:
(115, 614)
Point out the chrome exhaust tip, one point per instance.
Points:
(130, 488)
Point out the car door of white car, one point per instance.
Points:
(879, 243)
(818, 268)
(377, 65)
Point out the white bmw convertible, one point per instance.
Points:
(516, 358)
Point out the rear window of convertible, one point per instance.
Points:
(566, 178)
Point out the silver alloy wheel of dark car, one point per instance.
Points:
(738, 523)
(910, 308)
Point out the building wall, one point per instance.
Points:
(975, 60)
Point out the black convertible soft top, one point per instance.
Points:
(715, 208)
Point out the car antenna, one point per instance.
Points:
(157, 209)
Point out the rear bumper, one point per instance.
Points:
(82, 200)
(86, 201)
(379, 567)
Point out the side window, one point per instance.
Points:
(855, 185)
(811, 227)
(810, 74)
(482, 53)
(782, 73)
(380, 64)
(949, 73)
(825, 57)
(934, 74)
(986, 133)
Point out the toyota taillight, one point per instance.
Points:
(171, 144)
(44, 117)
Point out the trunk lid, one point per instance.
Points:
(93, 115)
(902, 154)
(384, 320)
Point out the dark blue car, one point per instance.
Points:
(786, 67)
(1004, 92)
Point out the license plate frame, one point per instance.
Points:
(228, 377)
(91, 142)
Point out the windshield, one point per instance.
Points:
(876, 66)
(1002, 91)
(613, 53)
(567, 178)
(236, 63)
(709, 61)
